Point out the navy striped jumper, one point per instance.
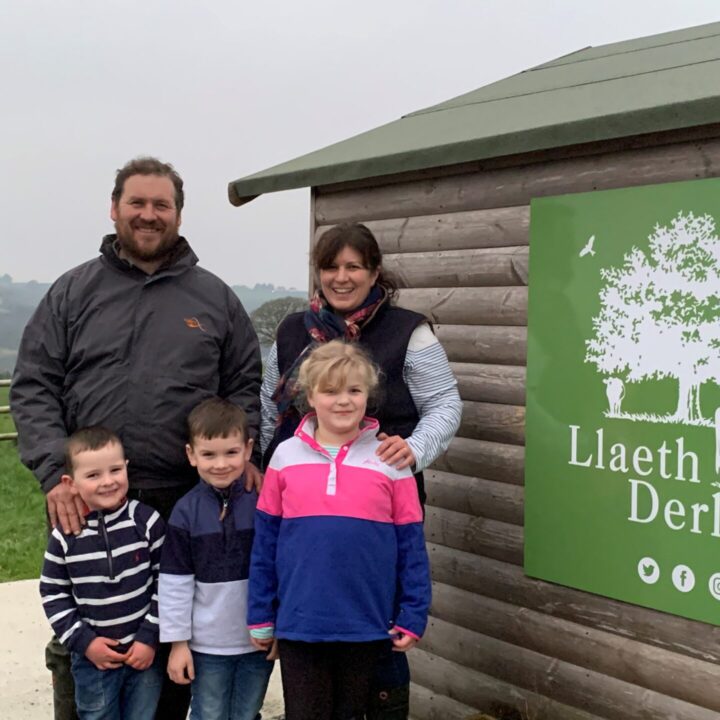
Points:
(103, 582)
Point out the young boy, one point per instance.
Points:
(99, 588)
(204, 573)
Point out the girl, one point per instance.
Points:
(339, 568)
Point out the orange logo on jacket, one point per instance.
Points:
(194, 323)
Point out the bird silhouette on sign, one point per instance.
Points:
(588, 249)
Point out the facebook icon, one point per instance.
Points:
(683, 578)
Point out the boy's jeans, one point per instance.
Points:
(120, 694)
(229, 686)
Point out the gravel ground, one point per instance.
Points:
(25, 691)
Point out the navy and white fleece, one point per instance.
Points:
(204, 570)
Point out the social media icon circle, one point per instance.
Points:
(714, 585)
(648, 570)
(683, 578)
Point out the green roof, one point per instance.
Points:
(662, 82)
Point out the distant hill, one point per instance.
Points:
(17, 303)
(252, 298)
(19, 300)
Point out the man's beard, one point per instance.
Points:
(134, 250)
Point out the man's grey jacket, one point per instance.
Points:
(111, 345)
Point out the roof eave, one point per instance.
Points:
(610, 127)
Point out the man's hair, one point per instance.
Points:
(147, 165)
(329, 365)
(214, 418)
(94, 437)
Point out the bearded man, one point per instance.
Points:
(133, 340)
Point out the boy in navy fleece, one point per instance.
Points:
(99, 587)
(204, 573)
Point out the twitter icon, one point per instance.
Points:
(648, 570)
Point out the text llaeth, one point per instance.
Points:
(668, 461)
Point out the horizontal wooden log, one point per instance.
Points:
(484, 343)
(468, 306)
(490, 383)
(497, 227)
(493, 267)
(494, 422)
(427, 705)
(475, 496)
(480, 458)
(472, 534)
(668, 673)
(513, 186)
(564, 682)
(507, 582)
(488, 694)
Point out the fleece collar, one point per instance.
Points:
(308, 425)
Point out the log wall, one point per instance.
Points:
(499, 642)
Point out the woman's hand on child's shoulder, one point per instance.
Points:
(394, 450)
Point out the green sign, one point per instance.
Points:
(623, 395)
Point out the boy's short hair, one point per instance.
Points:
(88, 438)
(215, 418)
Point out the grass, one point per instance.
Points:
(22, 511)
(668, 418)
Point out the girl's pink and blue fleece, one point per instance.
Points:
(339, 552)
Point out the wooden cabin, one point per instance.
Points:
(446, 190)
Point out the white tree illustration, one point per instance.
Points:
(660, 312)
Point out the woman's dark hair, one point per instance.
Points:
(358, 237)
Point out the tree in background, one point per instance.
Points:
(269, 315)
(660, 312)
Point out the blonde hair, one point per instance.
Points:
(329, 365)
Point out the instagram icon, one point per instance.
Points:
(714, 585)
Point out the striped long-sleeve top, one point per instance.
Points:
(339, 552)
(103, 582)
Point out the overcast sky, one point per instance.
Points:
(224, 88)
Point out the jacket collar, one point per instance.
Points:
(110, 517)
(181, 258)
(232, 491)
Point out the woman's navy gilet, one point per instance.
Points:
(385, 338)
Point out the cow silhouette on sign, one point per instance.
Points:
(615, 391)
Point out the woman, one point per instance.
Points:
(419, 408)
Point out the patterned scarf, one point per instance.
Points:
(324, 325)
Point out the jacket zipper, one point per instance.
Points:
(223, 525)
(103, 529)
